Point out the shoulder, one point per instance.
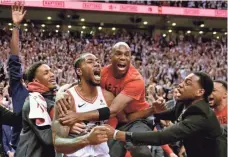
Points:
(133, 75)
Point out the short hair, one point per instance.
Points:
(117, 45)
(206, 83)
(31, 72)
(224, 84)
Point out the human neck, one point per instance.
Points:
(191, 102)
(220, 107)
(87, 90)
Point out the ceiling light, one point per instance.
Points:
(10, 24)
(68, 31)
(188, 31)
(43, 25)
(57, 26)
(217, 37)
(170, 31)
(214, 32)
(43, 30)
(69, 26)
(25, 24)
(82, 20)
(56, 31)
(225, 33)
(174, 24)
(26, 30)
(83, 27)
(202, 25)
(164, 35)
(91, 32)
(82, 32)
(100, 28)
(11, 29)
(145, 22)
(49, 18)
(200, 32)
(113, 28)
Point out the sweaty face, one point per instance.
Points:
(121, 60)
(45, 76)
(90, 70)
(217, 95)
(189, 89)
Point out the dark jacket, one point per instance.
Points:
(7, 118)
(18, 92)
(35, 141)
(199, 129)
(6, 138)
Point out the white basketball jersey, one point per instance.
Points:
(82, 105)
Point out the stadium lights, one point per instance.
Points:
(25, 24)
(170, 31)
(200, 32)
(43, 30)
(10, 24)
(188, 31)
(83, 27)
(69, 26)
(57, 26)
(82, 19)
(49, 18)
(145, 22)
(214, 32)
(100, 28)
(113, 28)
(217, 37)
(11, 29)
(225, 33)
(174, 24)
(56, 31)
(43, 25)
(26, 30)
(164, 35)
(82, 32)
(202, 25)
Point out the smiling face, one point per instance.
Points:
(121, 57)
(45, 76)
(89, 70)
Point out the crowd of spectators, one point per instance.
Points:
(190, 4)
(162, 61)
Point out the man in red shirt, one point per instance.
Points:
(218, 101)
(129, 104)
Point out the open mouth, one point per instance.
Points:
(121, 66)
(211, 100)
(97, 75)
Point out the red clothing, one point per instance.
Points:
(222, 116)
(131, 85)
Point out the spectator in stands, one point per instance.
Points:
(16, 83)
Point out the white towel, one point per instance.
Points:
(38, 108)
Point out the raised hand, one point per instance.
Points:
(18, 13)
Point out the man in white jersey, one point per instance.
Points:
(86, 96)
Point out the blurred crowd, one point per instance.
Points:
(161, 60)
(190, 4)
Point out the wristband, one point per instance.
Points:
(104, 113)
(115, 133)
(128, 136)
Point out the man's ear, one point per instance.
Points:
(200, 92)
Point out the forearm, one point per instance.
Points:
(92, 115)
(62, 142)
(15, 42)
(140, 114)
(70, 145)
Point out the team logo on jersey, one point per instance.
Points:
(102, 102)
(81, 105)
